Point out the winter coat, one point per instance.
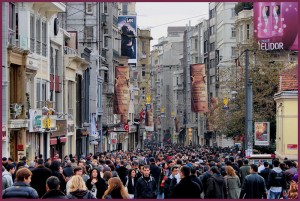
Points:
(100, 185)
(54, 194)
(68, 171)
(167, 187)
(244, 171)
(155, 172)
(6, 180)
(289, 174)
(216, 187)
(63, 183)
(145, 189)
(186, 188)
(122, 172)
(265, 174)
(81, 194)
(276, 179)
(20, 190)
(39, 177)
(204, 178)
(233, 186)
(129, 185)
(195, 179)
(253, 187)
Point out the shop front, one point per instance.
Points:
(59, 138)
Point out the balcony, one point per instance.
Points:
(69, 51)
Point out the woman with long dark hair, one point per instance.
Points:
(96, 184)
(57, 171)
(116, 189)
(130, 182)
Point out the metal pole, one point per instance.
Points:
(247, 102)
(250, 109)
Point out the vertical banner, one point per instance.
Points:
(128, 28)
(198, 88)
(35, 120)
(262, 133)
(122, 95)
(274, 25)
(149, 118)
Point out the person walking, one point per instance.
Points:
(122, 171)
(254, 185)
(39, 177)
(290, 172)
(196, 179)
(167, 187)
(265, 172)
(96, 184)
(7, 176)
(244, 170)
(146, 186)
(186, 188)
(52, 189)
(115, 190)
(131, 181)
(276, 183)
(216, 187)
(21, 188)
(78, 189)
(233, 184)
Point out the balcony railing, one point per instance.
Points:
(68, 50)
(32, 42)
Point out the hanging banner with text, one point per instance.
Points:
(35, 120)
(275, 25)
(262, 134)
(198, 88)
(122, 95)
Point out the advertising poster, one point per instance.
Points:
(198, 88)
(122, 95)
(128, 28)
(262, 134)
(275, 25)
(35, 120)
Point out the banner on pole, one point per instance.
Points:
(262, 133)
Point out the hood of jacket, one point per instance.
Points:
(277, 169)
(79, 193)
(218, 178)
(5, 173)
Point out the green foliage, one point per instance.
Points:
(243, 6)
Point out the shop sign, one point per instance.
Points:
(132, 128)
(20, 147)
(292, 146)
(46, 119)
(61, 128)
(113, 141)
(35, 120)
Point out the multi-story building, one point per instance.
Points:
(27, 70)
(144, 76)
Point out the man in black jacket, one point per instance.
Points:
(52, 187)
(68, 170)
(146, 185)
(216, 187)
(122, 172)
(171, 179)
(254, 185)
(276, 182)
(39, 177)
(155, 171)
(265, 172)
(186, 188)
(195, 179)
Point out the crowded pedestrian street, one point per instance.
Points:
(149, 100)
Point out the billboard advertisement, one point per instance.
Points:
(198, 88)
(122, 94)
(262, 133)
(35, 120)
(128, 28)
(275, 25)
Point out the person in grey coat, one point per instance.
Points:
(7, 176)
(244, 170)
(233, 184)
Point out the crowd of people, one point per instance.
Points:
(168, 172)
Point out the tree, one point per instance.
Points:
(264, 75)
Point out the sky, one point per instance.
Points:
(154, 15)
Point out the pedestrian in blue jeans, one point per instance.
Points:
(276, 182)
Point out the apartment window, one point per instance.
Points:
(211, 13)
(38, 35)
(233, 14)
(211, 63)
(70, 98)
(205, 47)
(89, 8)
(88, 32)
(211, 46)
(233, 52)
(105, 76)
(248, 31)
(32, 34)
(211, 30)
(233, 32)
(125, 8)
(196, 44)
(241, 33)
(41, 93)
(105, 7)
(44, 39)
(99, 102)
(11, 15)
(143, 72)
(196, 60)
(211, 79)
(143, 90)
